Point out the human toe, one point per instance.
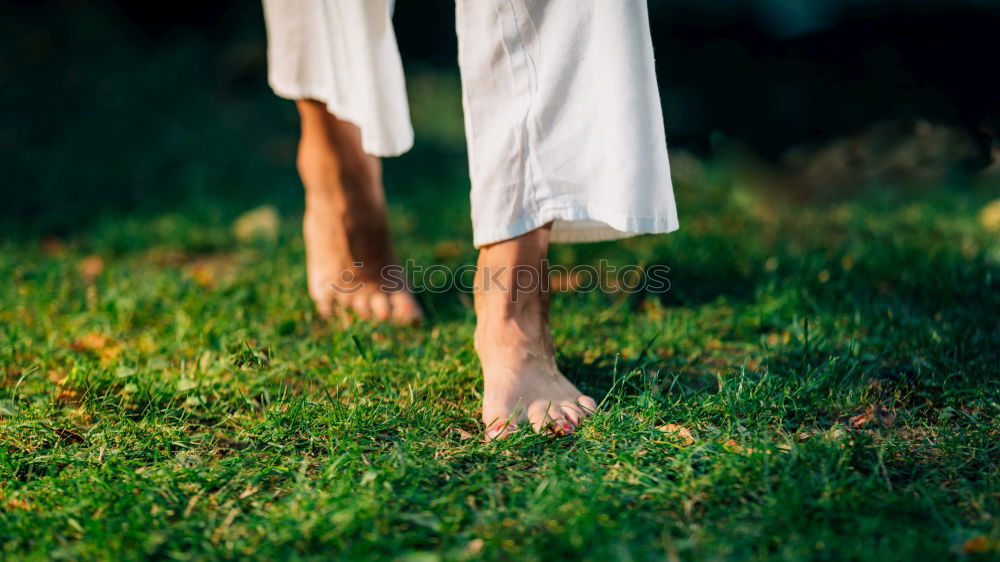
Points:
(380, 307)
(405, 309)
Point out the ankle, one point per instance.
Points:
(327, 167)
(505, 324)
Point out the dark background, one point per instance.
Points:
(139, 107)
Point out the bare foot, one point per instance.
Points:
(348, 246)
(522, 385)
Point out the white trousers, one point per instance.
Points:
(562, 113)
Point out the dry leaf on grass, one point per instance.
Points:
(464, 435)
(989, 216)
(67, 397)
(261, 222)
(220, 531)
(191, 503)
(448, 250)
(735, 447)
(57, 376)
(678, 432)
(212, 270)
(976, 545)
(474, 546)
(461, 433)
(90, 268)
(82, 416)
(52, 246)
(832, 434)
(97, 344)
(68, 435)
(18, 503)
(874, 414)
(92, 341)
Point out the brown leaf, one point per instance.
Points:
(92, 341)
(863, 419)
(90, 268)
(97, 344)
(18, 503)
(162, 256)
(461, 433)
(835, 434)
(735, 447)
(68, 396)
(474, 546)
(262, 222)
(57, 376)
(976, 545)
(52, 246)
(989, 216)
(68, 435)
(971, 410)
(448, 250)
(212, 270)
(219, 531)
(191, 503)
(874, 414)
(248, 492)
(679, 433)
(203, 274)
(11, 375)
(82, 416)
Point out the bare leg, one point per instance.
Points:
(345, 224)
(522, 384)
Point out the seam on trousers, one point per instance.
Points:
(536, 172)
(470, 123)
(528, 175)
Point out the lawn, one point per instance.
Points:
(821, 381)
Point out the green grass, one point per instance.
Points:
(219, 418)
(836, 364)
